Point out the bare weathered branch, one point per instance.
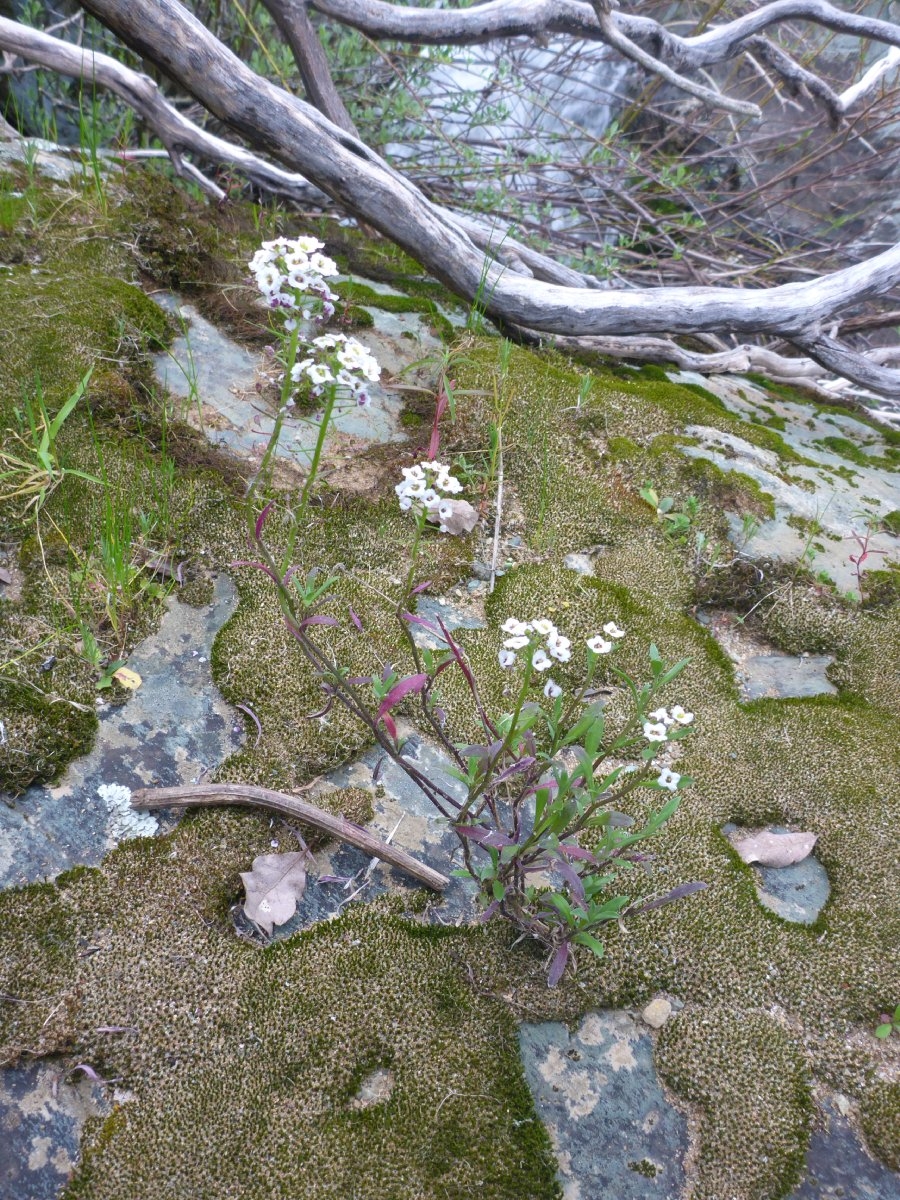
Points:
(528, 18)
(292, 19)
(211, 795)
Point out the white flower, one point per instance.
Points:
(541, 662)
(654, 733)
(507, 658)
(322, 265)
(405, 503)
(319, 373)
(560, 649)
(612, 630)
(261, 258)
(448, 483)
(679, 715)
(552, 690)
(444, 511)
(544, 627)
(413, 473)
(516, 643)
(516, 628)
(598, 645)
(668, 779)
(268, 279)
(662, 715)
(304, 245)
(430, 498)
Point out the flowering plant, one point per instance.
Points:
(540, 827)
(292, 276)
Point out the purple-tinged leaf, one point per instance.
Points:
(497, 840)
(389, 725)
(379, 768)
(318, 619)
(488, 912)
(440, 715)
(558, 965)
(355, 619)
(245, 562)
(475, 833)
(88, 1070)
(420, 587)
(577, 852)
(359, 680)
(261, 520)
(409, 686)
(677, 893)
(323, 712)
(571, 876)
(254, 718)
(414, 620)
(290, 573)
(517, 767)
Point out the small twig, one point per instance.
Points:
(499, 516)
(212, 794)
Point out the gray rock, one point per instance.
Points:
(838, 1167)
(797, 893)
(597, 1091)
(173, 728)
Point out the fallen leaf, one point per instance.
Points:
(775, 849)
(5, 576)
(273, 888)
(128, 678)
(462, 519)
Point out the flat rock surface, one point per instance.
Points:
(41, 1118)
(838, 1167)
(173, 728)
(840, 494)
(760, 669)
(596, 1089)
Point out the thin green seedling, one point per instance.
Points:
(35, 470)
(188, 368)
(89, 136)
(480, 301)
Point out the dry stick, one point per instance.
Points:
(213, 794)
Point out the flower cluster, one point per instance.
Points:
(543, 640)
(338, 361)
(428, 485)
(290, 273)
(603, 645)
(656, 729)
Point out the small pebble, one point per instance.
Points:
(657, 1013)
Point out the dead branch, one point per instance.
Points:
(213, 794)
(358, 179)
(293, 20)
(530, 18)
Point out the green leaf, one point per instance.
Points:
(592, 943)
(57, 423)
(883, 1031)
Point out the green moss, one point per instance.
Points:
(846, 449)
(880, 1115)
(891, 522)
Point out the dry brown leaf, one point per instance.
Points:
(273, 888)
(775, 849)
(462, 519)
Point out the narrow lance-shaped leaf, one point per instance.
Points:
(677, 893)
(406, 687)
(558, 965)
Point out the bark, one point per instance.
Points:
(211, 795)
(292, 18)
(460, 253)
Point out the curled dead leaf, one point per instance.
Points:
(775, 849)
(273, 887)
(462, 518)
